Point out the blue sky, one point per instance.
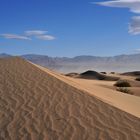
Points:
(69, 27)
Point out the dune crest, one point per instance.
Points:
(35, 105)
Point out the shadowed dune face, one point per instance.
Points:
(34, 105)
(134, 73)
(97, 76)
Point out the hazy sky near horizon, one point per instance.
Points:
(70, 27)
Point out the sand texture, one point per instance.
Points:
(35, 105)
(103, 90)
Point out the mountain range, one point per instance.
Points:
(120, 63)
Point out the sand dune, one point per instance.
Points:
(36, 105)
(103, 90)
(97, 76)
(93, 75)
(133, 73)
(105, 77)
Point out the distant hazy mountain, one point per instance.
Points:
(40, 59)
(121, 63)
(3, 55)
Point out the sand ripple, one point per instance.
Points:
(36, 106)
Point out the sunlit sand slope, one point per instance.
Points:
(35, 105)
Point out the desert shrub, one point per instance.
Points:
(103, 72)
(138, 79)
(124, 90)
(122, 83)
(112, 72)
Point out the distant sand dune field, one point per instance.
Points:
(35, 105)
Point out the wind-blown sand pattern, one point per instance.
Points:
(34, 105)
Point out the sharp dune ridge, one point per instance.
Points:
(100, 90)
(35, 105)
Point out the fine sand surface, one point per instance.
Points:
(135, 85)
(37, 104)
(104, 91)
(96, 78)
